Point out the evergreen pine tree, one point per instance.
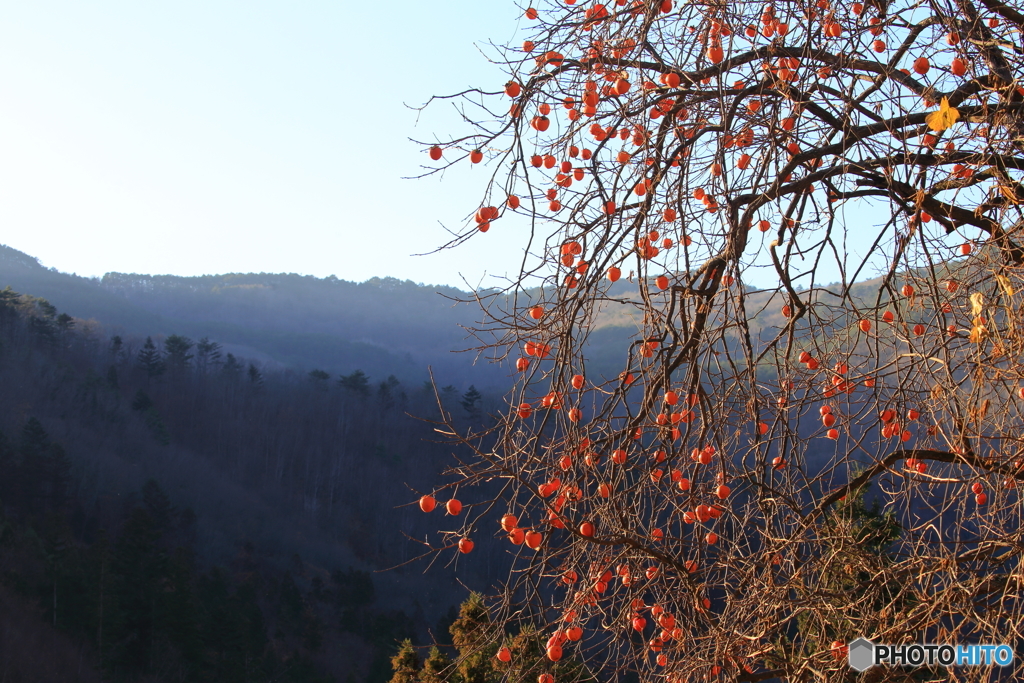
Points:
(158, 505)
(448, 394)
(179, 610)
(469, 629)
(207, 353)
(232, 629)
(150, 360)
(855, 568)
(436, 667)
(405, 664)
(33, 467)
(289, 602)
(9, 300)
(41, 318)
(471, 401)
(255, 376)
(356, 383)
(138, 569)
(9, 464)
(64, 324)
(386, 392)
(471, 637)
(176, 352)
(156, 427)
(319, 378)
(56, 540)
(142, 402)
(232, 368)
(100, 556)
(34, 439)
(58, 476)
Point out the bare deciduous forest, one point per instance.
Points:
(174, 511)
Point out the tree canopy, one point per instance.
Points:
(731, 160)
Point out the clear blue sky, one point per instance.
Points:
(225, 136)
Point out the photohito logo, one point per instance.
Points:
(863, 654)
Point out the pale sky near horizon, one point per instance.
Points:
(226, 136)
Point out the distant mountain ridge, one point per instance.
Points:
(382, 326)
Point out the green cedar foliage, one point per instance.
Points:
(437, 667)
(476, 643)
(861, 543)
(405, 664)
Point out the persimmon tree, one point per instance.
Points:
(814, 208)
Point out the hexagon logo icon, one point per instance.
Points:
(861, 654)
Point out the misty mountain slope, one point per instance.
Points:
(382, 326)
(401, 316)
(81, 297)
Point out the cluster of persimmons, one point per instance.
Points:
(802, 219)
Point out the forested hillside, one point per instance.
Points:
(177, 512)
(381, 326)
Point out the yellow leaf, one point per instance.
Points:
(1010, 193)
(977, 303)
(945, 117)
(1004, 284)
